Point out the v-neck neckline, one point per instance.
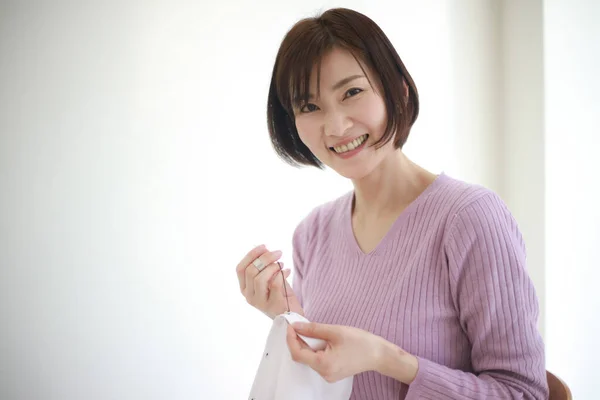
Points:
(410, 209)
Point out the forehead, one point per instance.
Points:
(335, 65)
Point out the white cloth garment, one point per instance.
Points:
(281, 378)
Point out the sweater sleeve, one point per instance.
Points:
(497, 308)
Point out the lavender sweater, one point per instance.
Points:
(447, 284)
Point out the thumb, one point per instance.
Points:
(277, 282)
(315, 330)
(279, 292)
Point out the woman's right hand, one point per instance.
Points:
(264, 289)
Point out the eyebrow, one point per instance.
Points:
(345, 81)
(341, 83)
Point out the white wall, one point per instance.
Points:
(522, 134)
(476, 82)
(135, 171)
(572, 86)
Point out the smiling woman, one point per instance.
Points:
(346, 62)
(416, 281)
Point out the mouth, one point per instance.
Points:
(353, 145)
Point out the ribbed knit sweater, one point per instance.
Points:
(448, 284)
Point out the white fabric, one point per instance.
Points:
(281, 378)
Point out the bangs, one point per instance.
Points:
(303, 49)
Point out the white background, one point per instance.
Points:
(136, 170)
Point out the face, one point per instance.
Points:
(348, 116)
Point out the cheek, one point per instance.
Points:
(308, 130)
(373, 115)
(379, 115)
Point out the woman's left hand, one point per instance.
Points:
(349, 350)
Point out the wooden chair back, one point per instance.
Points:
(558, 388)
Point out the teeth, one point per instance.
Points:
(350, 146)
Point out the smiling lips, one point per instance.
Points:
(353, 145)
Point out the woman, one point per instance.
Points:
(416, 281)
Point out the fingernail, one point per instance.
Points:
(277, 253)
(298, 325)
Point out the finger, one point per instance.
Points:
(262, 280)
(299, 350)
(270, 257)
(274, 277)
(251, 271)
(276, 284)
(248, 258)
(276, 280)
(315, 330)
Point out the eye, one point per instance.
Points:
(353, 92)
(308, 108)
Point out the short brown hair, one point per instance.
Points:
(304, 46)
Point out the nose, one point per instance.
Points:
(336, 123)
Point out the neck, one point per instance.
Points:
(390, 188)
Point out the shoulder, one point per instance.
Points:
(455, 195)
(478, 216)
(463, 201)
